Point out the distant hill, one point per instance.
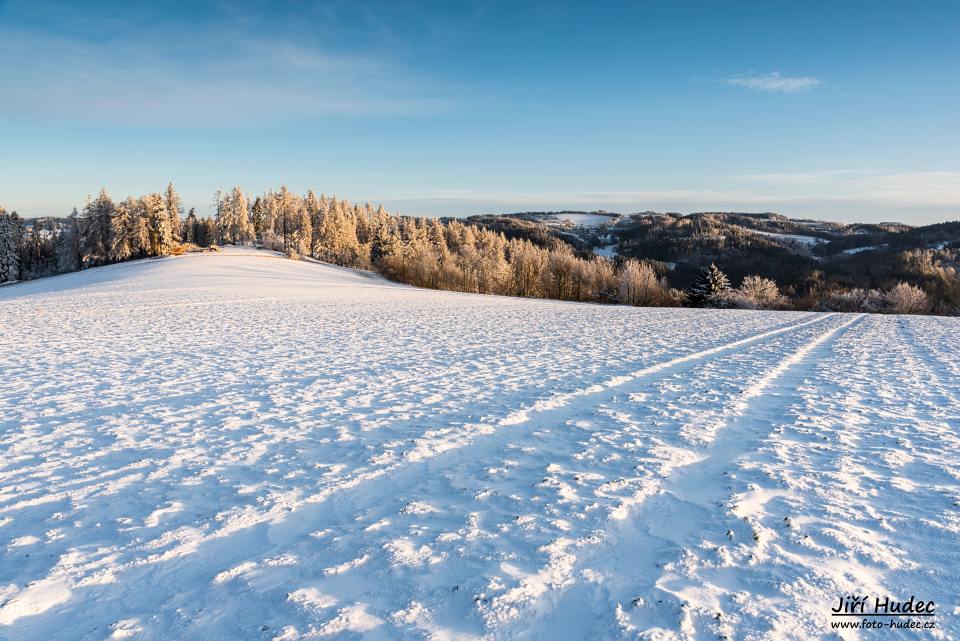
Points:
(794, 252)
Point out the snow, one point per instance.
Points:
(857, 250)
(795, 238)
(584, 220)
(239, 446)
(609, 251)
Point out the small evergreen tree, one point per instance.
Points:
(709, 288)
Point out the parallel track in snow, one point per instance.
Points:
(220, 448)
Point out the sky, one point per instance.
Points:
(834, 110)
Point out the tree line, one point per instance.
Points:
(433, 253)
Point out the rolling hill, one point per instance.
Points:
(234, 445)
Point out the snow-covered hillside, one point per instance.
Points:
(239, 446)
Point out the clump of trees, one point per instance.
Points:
(102, 232)
(440, 254)
(904, 298)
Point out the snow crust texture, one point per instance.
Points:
(239, 446)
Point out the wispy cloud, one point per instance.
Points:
(772, 82)
(198, 79)
(902, 188)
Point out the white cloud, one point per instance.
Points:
(773, 82)
(904, 188)
(197, 79)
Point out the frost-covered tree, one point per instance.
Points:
(143, 232)
(907, 299)
(853, 300)
(174, 205)
(233, 218)
(303, 233)
(560, 266)
(755, 292)
(190, 227)
(96, 230)
(258, 218)
(283, 210)
(11, 236)
(125, 243)
(158, 224)
(386, 244)
(314, 212)
(69, 258)
(206, 233)
(710, 288)
(38, 249)
(637, 284)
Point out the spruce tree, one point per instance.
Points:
(124, 244)
(68, 244)
(240, 227)
(709, 287)
(96, 230)
(142, 232)
(190, 227)
(174, 205)
(158, 222)
(11, 237)
(258, 214)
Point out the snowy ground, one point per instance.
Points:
(583, 220)
(793, 238)
(239, 446)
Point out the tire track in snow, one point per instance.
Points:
(849, 435)
(658, 528)
(409, 481)
(559, 400)
(457, 438)
(288, 521)
(58, 491)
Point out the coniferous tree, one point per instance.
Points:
(217, 204)
(285, 209)
(174, 205)
(11, 236)
(190, 227)
(158, 223)
(38, 250)
(96, 230)
(258, 216)
(142, 232)
(125, 244)
(311, 205)
(303, 233)
(233, 218)
(709, 288)
(69, 258)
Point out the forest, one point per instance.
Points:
(450, 254)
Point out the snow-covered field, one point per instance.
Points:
(238, 446)
(584, 220)
(793, 238)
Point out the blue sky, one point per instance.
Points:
(836, 110)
